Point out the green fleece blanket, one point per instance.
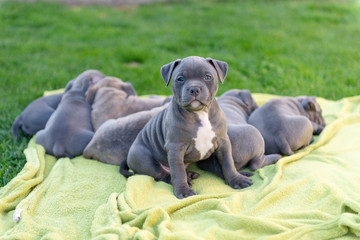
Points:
(314, 194)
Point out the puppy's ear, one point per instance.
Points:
(220, 67)
(247, 98)
(87, 83)
(128, 88)
(309, 104)
(69, 85)
(167, 70)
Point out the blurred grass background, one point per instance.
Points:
(280, 47)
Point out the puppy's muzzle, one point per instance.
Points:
(194, 90)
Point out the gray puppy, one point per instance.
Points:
(112, 141)
(37, 113)
(190, 129)
(288, 124)
(237, 105)
(112, 98)
(69, 128)
(247, 144)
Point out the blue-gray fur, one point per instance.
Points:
(167, 145)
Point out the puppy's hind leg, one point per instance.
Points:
(82, 140)
(232, 177)
(59, 151)
(141, 161)
(283, 146)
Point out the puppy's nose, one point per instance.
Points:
(194, 91)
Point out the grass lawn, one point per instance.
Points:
(279, 47)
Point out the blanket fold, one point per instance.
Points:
(312, 194)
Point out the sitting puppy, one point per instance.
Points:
(37, 113)
(112, 98)
(288, 124)
(112, 141)
(69, 128)
(247, 144)
(190, 129)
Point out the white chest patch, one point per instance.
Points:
(204, 135)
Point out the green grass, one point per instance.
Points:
(279, 47)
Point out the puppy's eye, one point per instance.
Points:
(208, 77)
(180, 79)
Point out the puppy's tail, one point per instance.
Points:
(124, 169)
(15, 128)
(272, 158)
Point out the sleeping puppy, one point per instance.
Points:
(247, 144)
(112, 141)
(69, 128)
(37, 113)
(112, 98)
(288, 124)
(190, 129)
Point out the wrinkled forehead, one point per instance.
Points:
(192, 67)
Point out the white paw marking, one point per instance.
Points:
(204, 135)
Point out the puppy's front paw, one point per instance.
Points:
(184, 192)
(239, 181)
